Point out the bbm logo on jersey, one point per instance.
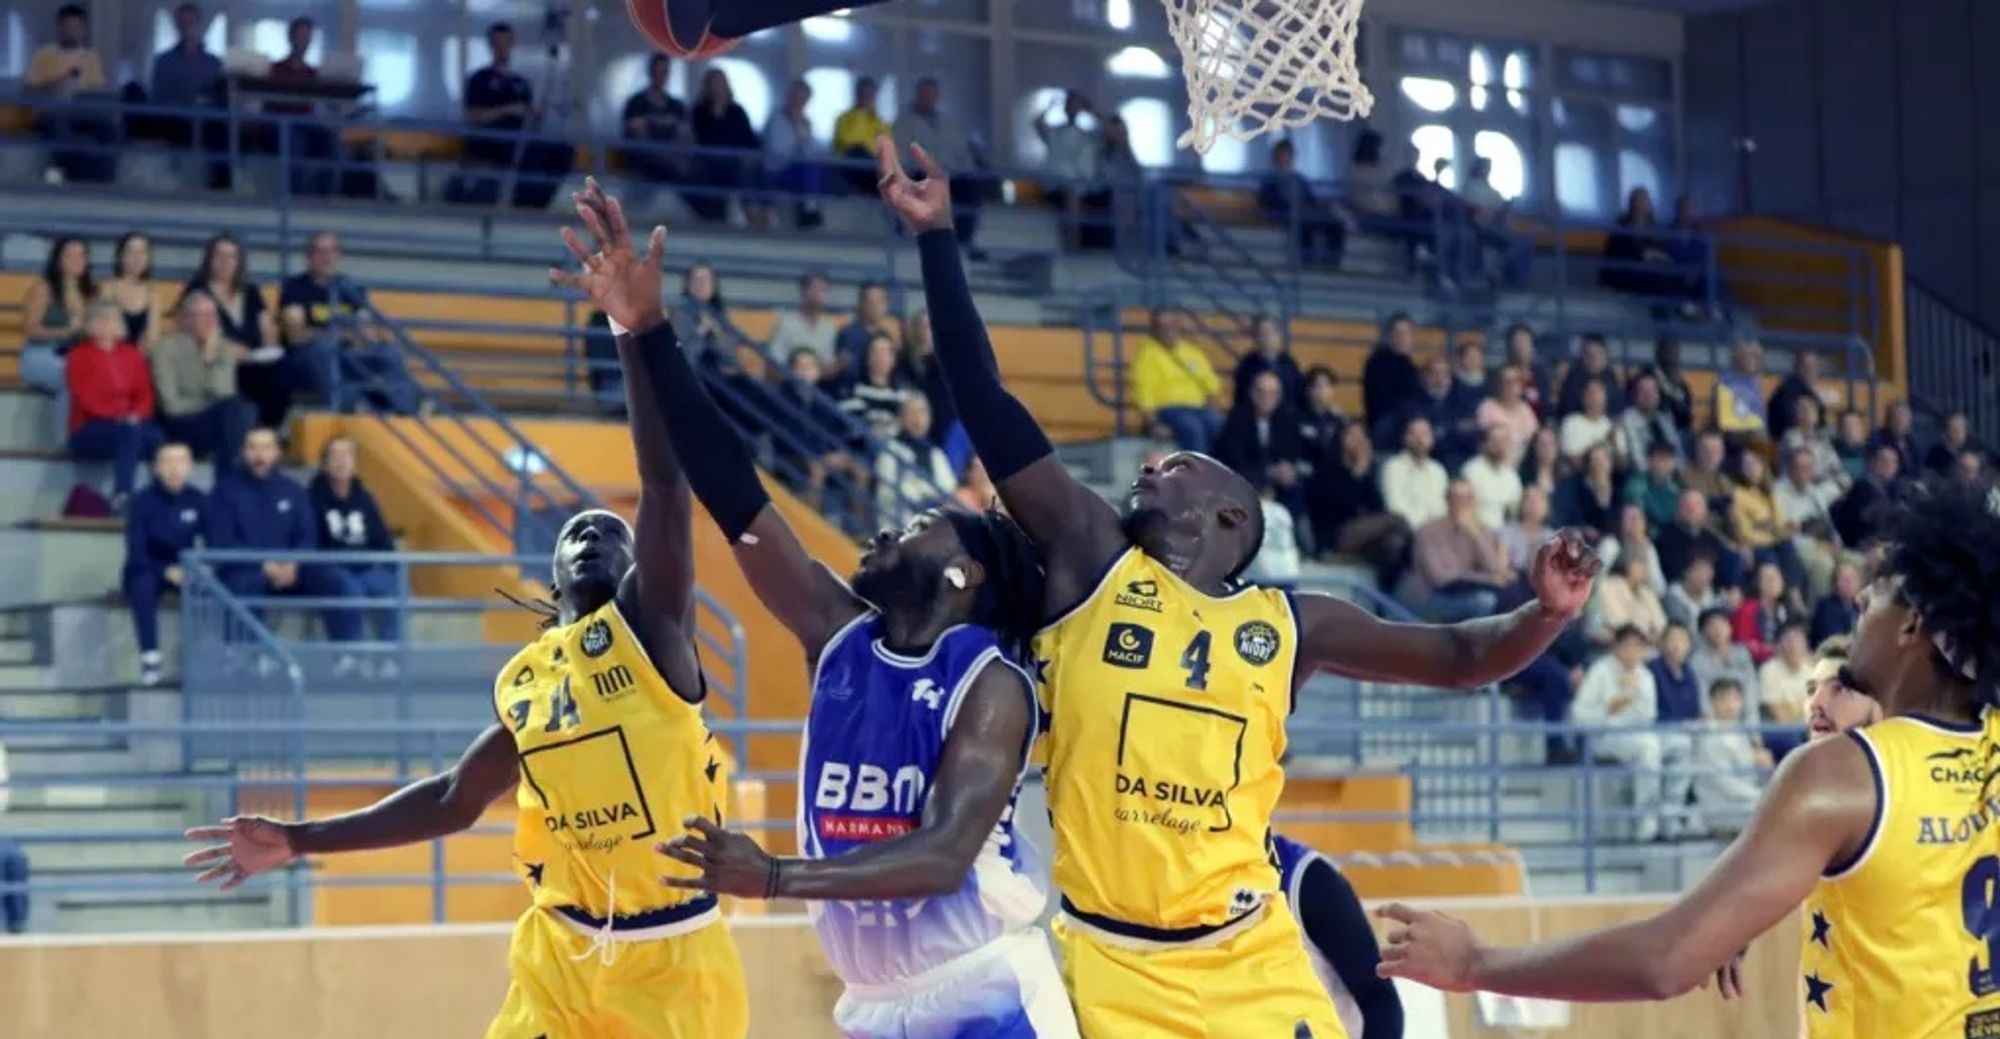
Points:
(596, 638)
(1257, 642)
(1128, 646)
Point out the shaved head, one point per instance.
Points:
(1188, 507)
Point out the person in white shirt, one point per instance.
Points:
(1076, 156)
(811, 327)
(1806, 500)
(1496, 482)
(1729, 761)
(1490, 209)
(1277, 559)
(925, 123)
(795, 158)
(1413, 483)
(911, 473)
(1618, 691)
(1626, 599)
(1694, 594)
(1590, 427)
(1786, 683)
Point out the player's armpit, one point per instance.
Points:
(1337, 636)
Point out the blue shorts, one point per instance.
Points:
(1010, 989)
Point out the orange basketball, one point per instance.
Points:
(679, 27)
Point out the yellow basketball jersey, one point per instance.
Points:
(1904, 941)
(1165, 713)
(612, 761)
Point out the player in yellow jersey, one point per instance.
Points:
(1167, 684)
(600, 731)
(1887, 834)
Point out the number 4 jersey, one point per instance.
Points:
(1904, 940)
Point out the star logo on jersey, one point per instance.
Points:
(596, 638)
(534, 872)
(1821, 925)
(1140, 595)
(556, 659)
(524, 676)
(1257, 642)
(710, 771)
(1128, 646)
(1816, 991)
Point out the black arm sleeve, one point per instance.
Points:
(1335, 923)
(1003, 432)
(722, 473)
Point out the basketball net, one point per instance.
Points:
(1258, 66)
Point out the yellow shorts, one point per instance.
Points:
(1257, 982)
(689, 986)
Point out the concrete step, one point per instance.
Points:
(118, 913)
(112, 703)
(165, 817)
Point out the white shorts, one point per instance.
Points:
(1007, 989)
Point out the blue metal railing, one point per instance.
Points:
(1954, 360)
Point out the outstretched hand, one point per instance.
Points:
(1430, 948)
(619, 281)
(1565, 568)
(730, 863)
(923, 204)
(251, 844)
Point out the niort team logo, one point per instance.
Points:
(596, 638)
(1128, 646)
(1140, 595)
(1257, 642)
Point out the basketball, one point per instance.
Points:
(679, 27)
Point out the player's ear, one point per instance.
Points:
(1232, 516)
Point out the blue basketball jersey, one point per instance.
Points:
(873, 742)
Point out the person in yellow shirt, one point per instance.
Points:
(61, 71)
(1171, 381)
(855, 131)
(1760, 522)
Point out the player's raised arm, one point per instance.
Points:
(1337, 636)
(1818, 811)
(1076, 531)
(976, 776)
(244, 846)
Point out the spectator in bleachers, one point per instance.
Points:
(1656, 489)
(1413, 483)
(1738, 410)
(1277, 560)
(1765, 613)
(1809, 435)
(263, 374)
(1489, 211)
(1695, 593)
(1075, 157)
(186, 75)
(1691, 533)
(1802, 383)
(874, 395)
(1630, 538)
(132, 287)
(52, 314)
(654, 116)
(1508, 410)
(1459, 561)
(818, 459)
(1369, 186)
(1835, 613)
(308, 139)
(1495, 480)
(871, 318)
(1261, 440)
(701, 322)
(1592, 427)
(1674, 685)
(1943, 456)
(255, 506)
(1717, 656)
(1646, 422)
(1269, 353)
(794, 159)
(1671, 381)
(166, 518)
(1760, 523)
(1785, 680)
(1727, 788)
(499, 99)
(1288, 200)
(1899, 431)
(920, 366)
(194, 371)
(1524, 357)
(349, 521)
(323, 320)
(1524, 536)
(1543, 465)
(14, 874)
(1970, 467)
(911, 472)
(1707, 472)
(110, 400)
(1321, 422)
(1389, 380)
(926, 124)
(854, 135)
(1617, 690)
(1627, 599)
(1114, 211)
(1807, 504)
(1469, 376)
(64, 70)
(1454, 419)
(1636, 259)
(1174, 385)
(810, 327)
(1349, 515)
(722, 129)
(976, 492)
(1592, 366)
(1589, 500)
(1850, 445)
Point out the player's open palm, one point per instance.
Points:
(1430, 948)
(239, 848)
(621, 281)
(1565, 568)
(923, 204)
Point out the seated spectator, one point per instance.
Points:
(1507, 409)
(1468, 370)
(1451, 417)
(1763, 615)
(1173, 384)
(350, 521)
(1665, 371)
(1838, 609)
(1496, 484)
(920, 366)
(1859, 513)
(1459, 561)
(1969, 467)
(68, 70)
(186, 75)
(255, 506)
(1636, 255)
(194, 369)
(1113, 211)
(1645, 423)
(1489, 211)
(1786, 679)
(1693, 533)
(1543, 465)
(500, 106)
(1288, 200)
(1695, 593)
(729, 146)
(1717, 656)
(1738, 409)
(1261, 440)
(1075, 158)
(1729, 785)
(1389, 382)
(1350, 515)
(1589, 500)
(110, 400)
(132, 287)
(1522, 538)
(1674, 684)
(1708, 474)
(1617, 691)
(1626, 599)
(1801, 383)
(874, 396)
(794, 159)
(655, 117)
(1631, 538)
(872, 317)
(1808, 435)
(1593, 365)
(854, 135)
(1760, 523)
(925, 123)
(1656, 489)
(811, 326)
(1321, 422)
(701, 322)
(1590, 428)
(167, 517)
(816, 454)
(1413, 483)
(1807, 505)
(263, 375)
(52, 315)
(1899, 431)
(1270, 353)
(1277, 559)
(1691, 248)
(323, 315)
(307, 143)
(1525, 357)
(911, 473)
(1850, 445)
(1942, 458)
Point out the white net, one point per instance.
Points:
(1258, 66)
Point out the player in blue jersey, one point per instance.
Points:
(918, 737)
(1339, 941)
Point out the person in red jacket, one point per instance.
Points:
(1760, 619)
(110, 399)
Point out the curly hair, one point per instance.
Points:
(1945, 548)
(1010, 600)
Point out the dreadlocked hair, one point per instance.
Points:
(547, 612)
(1012, 603)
